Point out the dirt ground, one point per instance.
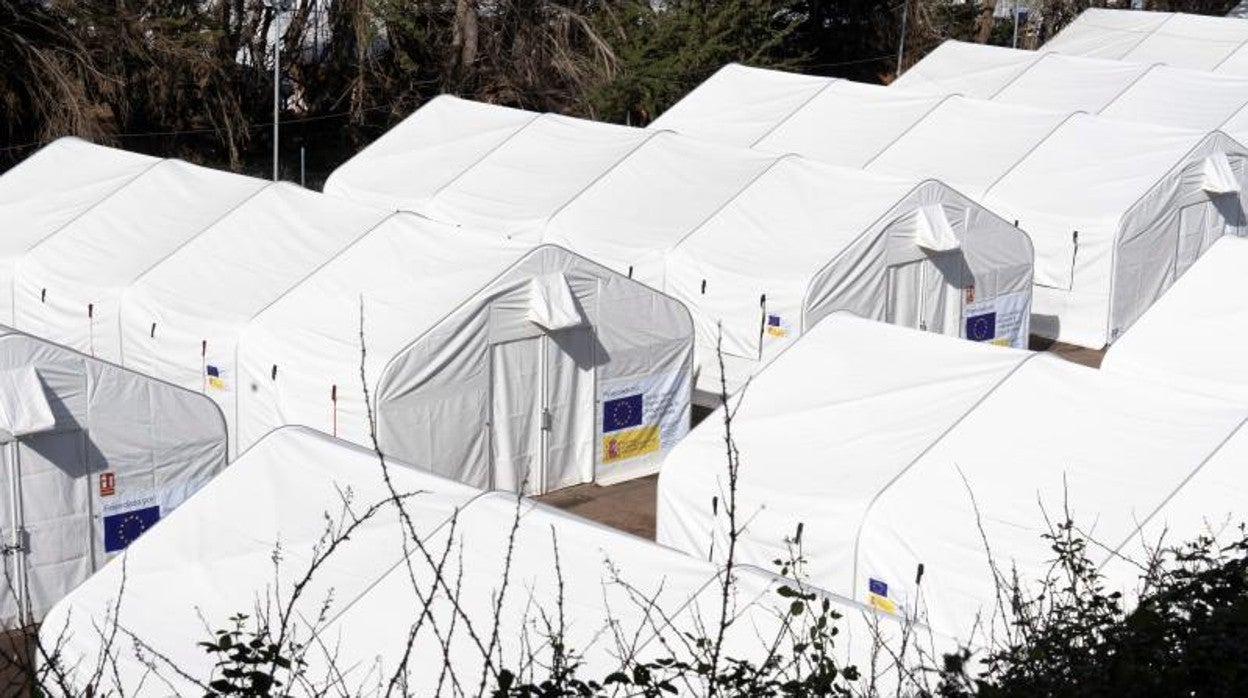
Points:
(630, 506)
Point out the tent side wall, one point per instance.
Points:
(1174, 223)
(123, 444)
(886, 276)
(464, 399)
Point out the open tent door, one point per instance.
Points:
(24, 411)
(1218, 177)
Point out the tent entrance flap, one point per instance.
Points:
(542, 412)
(24, 407)
(926, 294)
(552, 305)
(1200, 225)
(1218, 177)
(932, 230)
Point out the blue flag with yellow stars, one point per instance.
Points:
(122, 529)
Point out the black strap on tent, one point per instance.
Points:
(203, 363)
(333, 398)
(704, 287)
(152, 334)
(1074, 254)
(762, 324)
(630, 271)
(91, 327)
(273, 373)
(43, 296)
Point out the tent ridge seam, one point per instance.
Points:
(798, 108)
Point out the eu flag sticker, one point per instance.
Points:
(981, 328)
(120, 530)
(622, 413)
(214, 377)
(877, 587)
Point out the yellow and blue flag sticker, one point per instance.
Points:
(877, 596)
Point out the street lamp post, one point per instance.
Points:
(278, 7)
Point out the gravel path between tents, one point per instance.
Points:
(630, 506)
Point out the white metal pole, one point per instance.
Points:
(1015, 45)
(277, 78)
(901, 43)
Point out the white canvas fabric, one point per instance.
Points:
(847, 123)
(51, 188)
(93, 456)
(1103, 33)
(412, 161)
(1181, 98)
(967, 143)
(926, 450)
(293, 478)
(1068, 83)
(1114, 233)
(460, 377)
(967, 69)
(1192, 339)
(738, 105)
(68, 288)
(495, 168)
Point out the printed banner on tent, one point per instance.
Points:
(1001, 320)
(641, 415)
(125, 517)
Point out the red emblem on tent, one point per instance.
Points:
(613, 449)
(108, 484)
(970, 294)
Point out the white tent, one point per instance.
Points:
(1112, 233)
(902, 449)
(611, 594)
(1194, 337)
(1148, 93)
(510, 177)
(68, 287)
(1200, 42)
(91, 456)
(51, 188)
(488, 361)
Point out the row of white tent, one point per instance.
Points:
(899, 451)
(1116, 210)
(759, 247)
(609, 597)
(491, 361)
(91, 455)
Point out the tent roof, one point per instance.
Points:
(281, 490)
(252, 256)
(527, 178)
(1182, 98)
(1117, 162)
(1195, 337)
(968, 69)
(911, 452)
(848, 123)
(968, 143)
(652, 199)
(1104, 33)
(409, 273)
(422, 153)
(138, 225)
(58, 183)
(1200, 42)
(1070, 83)
(739, 105)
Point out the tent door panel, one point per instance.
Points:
(515, 413)
(927, 294)
(1200, 225)
(14, 597)
(569, 405)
